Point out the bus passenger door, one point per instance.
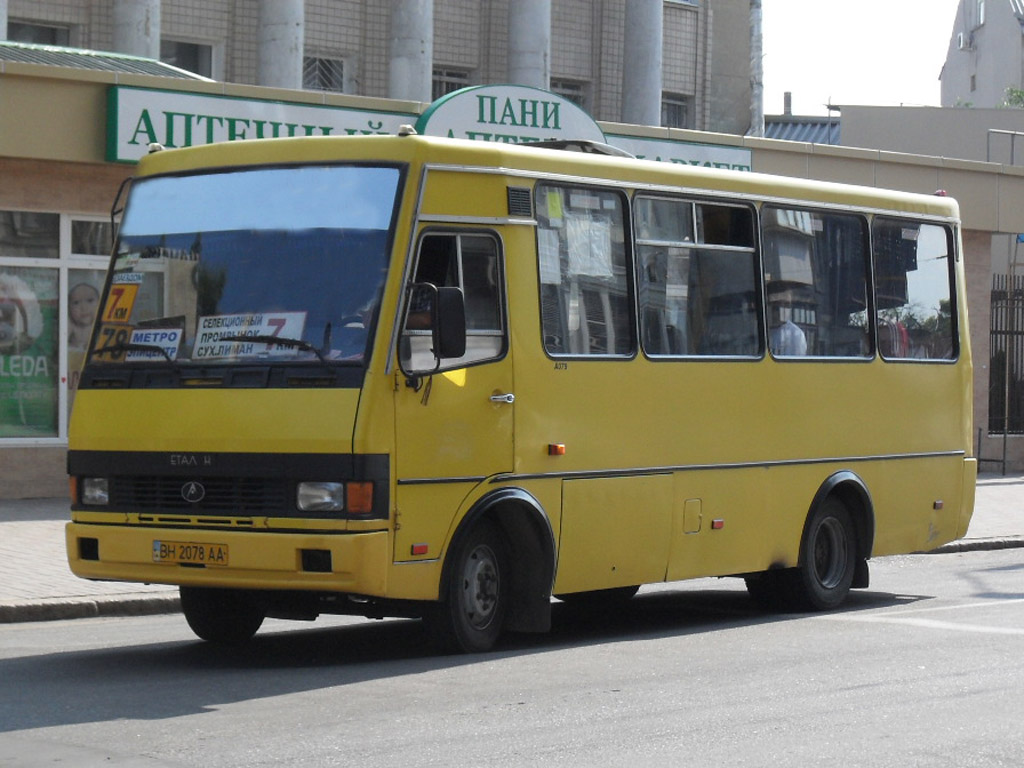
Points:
(454, 426)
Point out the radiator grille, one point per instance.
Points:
(221, 496)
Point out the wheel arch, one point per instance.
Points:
(530, 539)
(851, 489)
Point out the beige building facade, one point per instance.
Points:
(706, 48)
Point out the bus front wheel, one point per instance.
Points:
(221, 616)
(471, 616)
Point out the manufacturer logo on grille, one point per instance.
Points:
(193, 492)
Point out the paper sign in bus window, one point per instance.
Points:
(120, 301)
(548, 244)
(211, 343)
(590, 246)
(110, 337)
(166, 339)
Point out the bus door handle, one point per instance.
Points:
(507, 398)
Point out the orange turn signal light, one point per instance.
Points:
(359, 498)
(556, 449)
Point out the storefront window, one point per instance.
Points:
(52, 268)
(27, 234)
(91, 238)
(29, 364)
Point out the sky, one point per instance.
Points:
(876, 52)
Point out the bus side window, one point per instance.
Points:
(585, 285)
(697, 278)
(913, 290)
(815, 271)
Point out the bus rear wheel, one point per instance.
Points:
(828, 559)
(471, 616)
(223, 616)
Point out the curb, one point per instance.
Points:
(55, 609)
(978, 545)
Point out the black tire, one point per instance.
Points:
(828, 559)
(765, 590)
(223, 616)
(471, 615)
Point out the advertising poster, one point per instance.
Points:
(28, 352)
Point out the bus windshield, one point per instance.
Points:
(268, 265)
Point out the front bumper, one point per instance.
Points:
(357, 563)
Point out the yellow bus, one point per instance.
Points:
(422, 377)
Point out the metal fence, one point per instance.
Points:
(1006, 362)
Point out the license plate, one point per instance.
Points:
(190, 553)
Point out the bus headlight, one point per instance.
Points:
(354, 497)
(95, 491)
(320, 497)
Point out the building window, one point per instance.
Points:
(91, 238)
(51, 272)
(975, 10)
(193, 57)
(676, 111)
(319, 74)
(571, 90)
(40, 34)
(448, 81)
(29, 235)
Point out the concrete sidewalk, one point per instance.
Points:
(36, 584)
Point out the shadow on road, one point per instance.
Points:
(167, 680)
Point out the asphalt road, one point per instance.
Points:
(924, 669)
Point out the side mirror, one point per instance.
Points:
(449, 323)
(435, 329)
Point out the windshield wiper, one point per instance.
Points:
(281, 341)
(127, 346)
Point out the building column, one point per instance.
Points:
(641, 63)
(411, 54)
(281, 38)
(137, 27)
(529, 43)
(3, 19)
(757, 72)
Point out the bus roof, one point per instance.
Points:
(542, 162)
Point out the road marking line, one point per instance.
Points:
(932, 624)
(986, 604)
